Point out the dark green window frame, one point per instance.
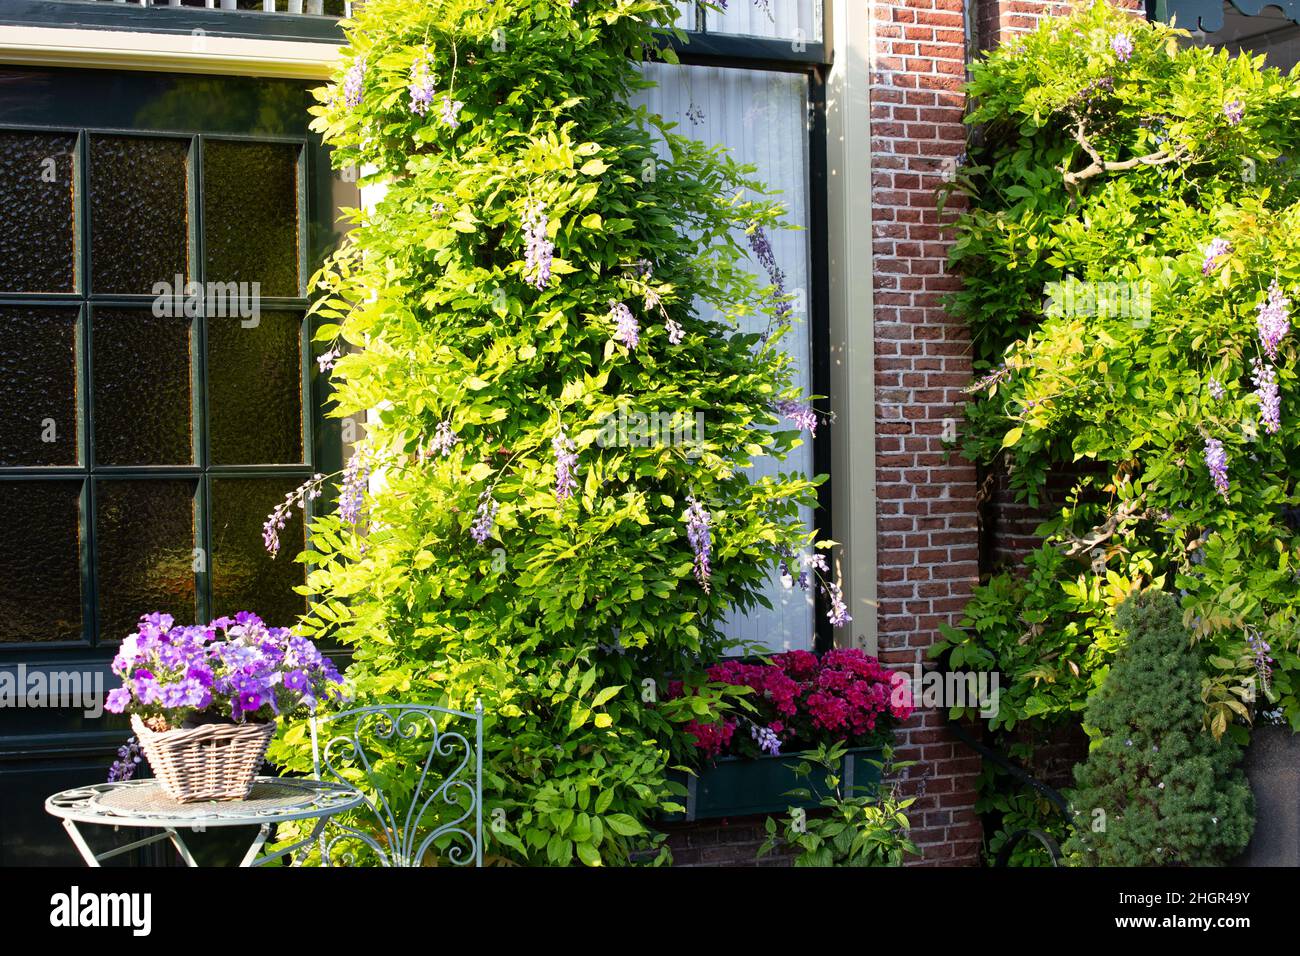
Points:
(321, 444)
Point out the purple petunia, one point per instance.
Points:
(1274, 320)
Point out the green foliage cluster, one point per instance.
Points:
(1098, 164)
(1156, 789)
(853, 829)
(573, 612)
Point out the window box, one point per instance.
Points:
(736, 787)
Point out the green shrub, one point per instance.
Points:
(1157, 789)
(518, 549)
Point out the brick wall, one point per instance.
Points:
(928, 542)
(928, 549)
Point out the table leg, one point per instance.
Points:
(181, 848)
(80, 843)
(316, 832)
(262, 833)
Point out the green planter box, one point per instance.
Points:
(733, 787)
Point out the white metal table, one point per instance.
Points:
(143, 804)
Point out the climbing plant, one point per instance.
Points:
(554, 502)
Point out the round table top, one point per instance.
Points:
(142, 803)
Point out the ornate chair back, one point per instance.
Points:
(441, 817)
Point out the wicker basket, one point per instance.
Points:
(208, 762)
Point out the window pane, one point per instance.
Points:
(244, 576)
(144, 536)
(37, 248)
(250, 214)
(40, 561)
(139, 213)
(780, 19)
(142, 375)
(1269, 32)
(255, 389)
(38, 386)
(762, 118)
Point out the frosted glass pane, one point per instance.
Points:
(144, 535)
(142, 375)
(762, 118)
(250, 214)
(139, 213)
(38, 386)
(40, 561)
(244, 576)
(255, 389)
(37, 250)
(779, 19)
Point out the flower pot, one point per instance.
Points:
(216, 761)
(735, 787)
(1272, 766)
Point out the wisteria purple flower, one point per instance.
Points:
(1270, 400)
(444, 439)
(1216, 389)
(1274, 320)
(767, 740)
(1215, 252)
(309, 490)
(700, 537)
(422, 83)
(1122, 45)
(1216, 460)
(328, 360)
(626, 329)
(128, 759)
(838, 612)
(803, 416)
(566, 458)
(675, 332)
(763, 252)
(354, 81)
(1262, 652)
(450, 114)
(538, 248)
(352, 494)
(1233, 111)
(485, 518)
